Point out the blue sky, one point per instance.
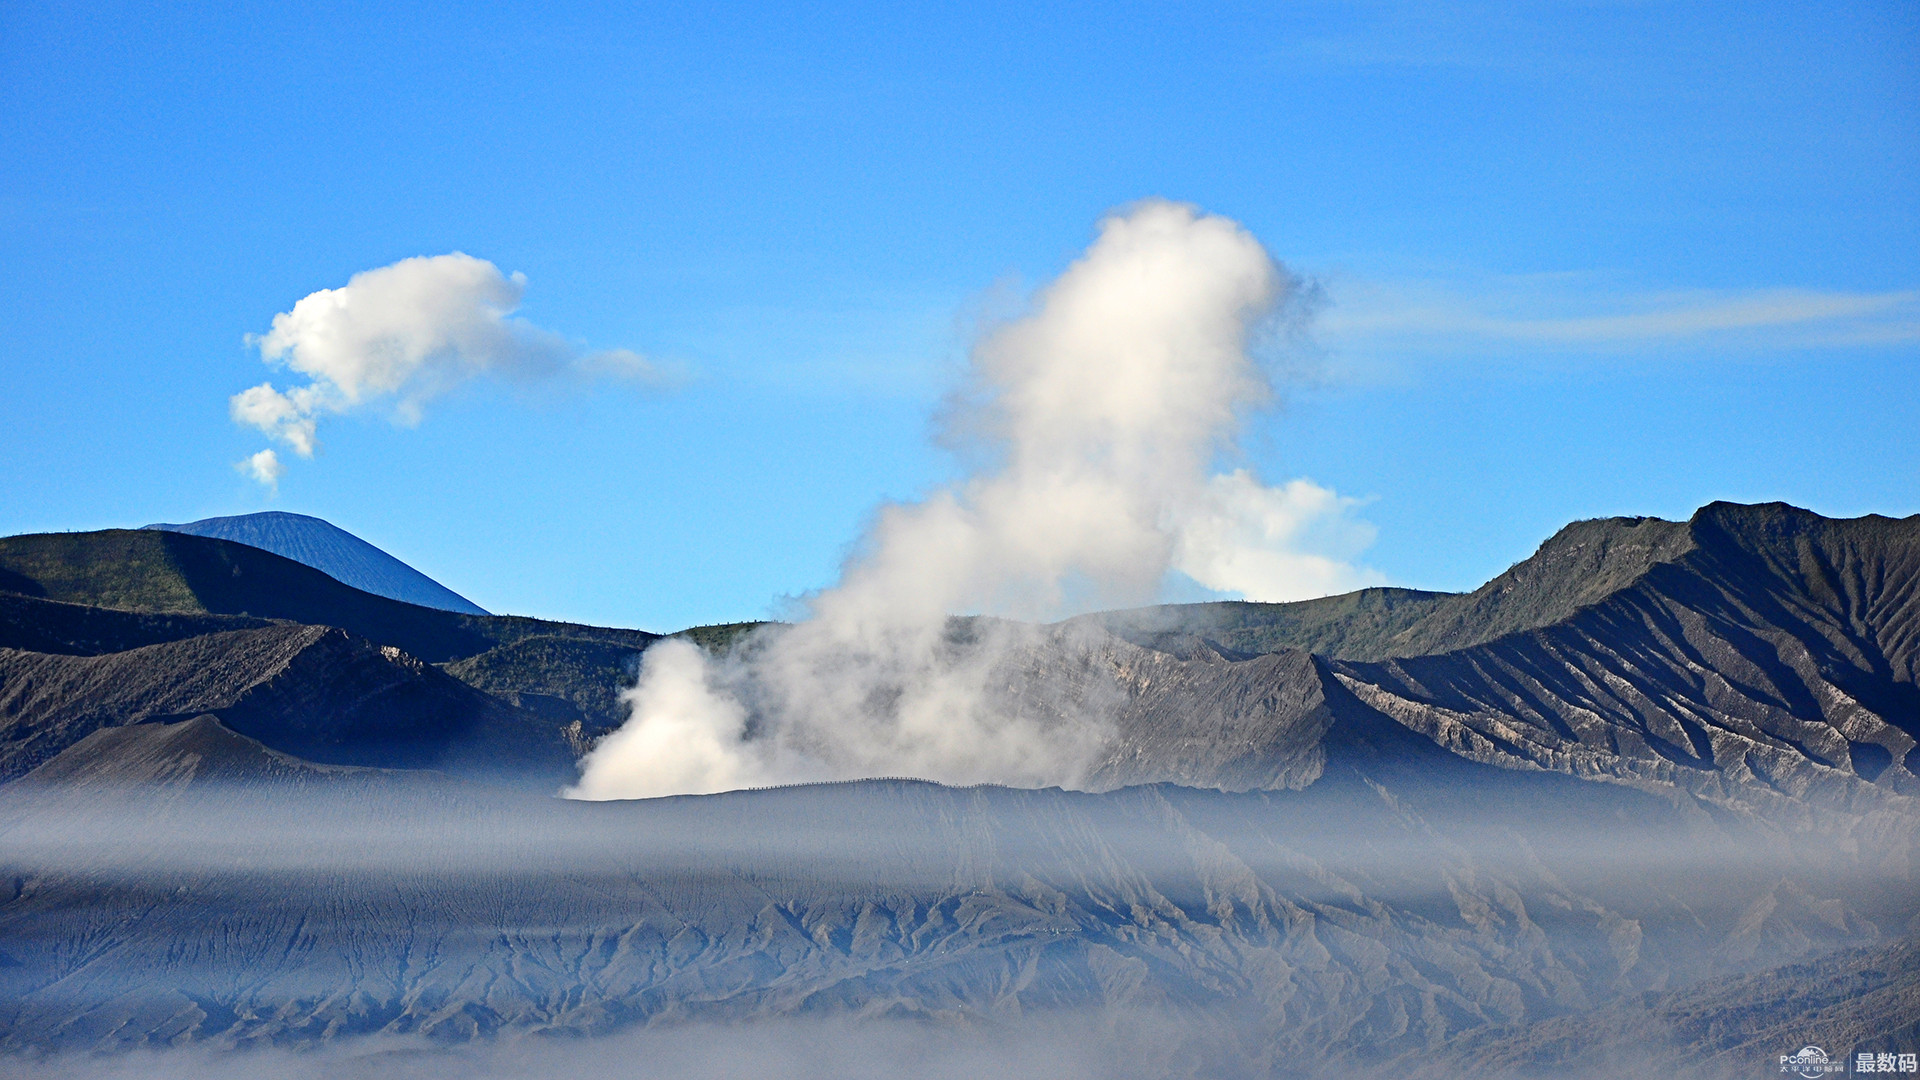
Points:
(1576, 260)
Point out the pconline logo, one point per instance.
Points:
(1810, 1062)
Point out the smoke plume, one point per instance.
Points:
(1100, 414)
(401, 335)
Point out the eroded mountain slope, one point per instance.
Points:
(1751, 655)
(317, 692)
(1777, 654)
(196, 752)
(88, 594)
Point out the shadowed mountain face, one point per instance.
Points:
(1749, 655)
(78, 630)
(1618, 805)
(200, 751)
(333, 551)
(154, 571)
(90, 593)
(1776, 653)
(312, 691)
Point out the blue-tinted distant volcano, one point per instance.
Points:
(332, 551)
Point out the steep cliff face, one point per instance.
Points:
(1236, 725)
(1776, 654)
(1749, 655)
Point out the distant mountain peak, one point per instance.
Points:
(333, 551)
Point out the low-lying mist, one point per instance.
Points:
(419, 928)
(1094, 425)
(1065, 1047)
(1111, 1045)
(922, 835)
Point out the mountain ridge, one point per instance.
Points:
(1633, 792)
(313, 692)
(333, 551)
(145, 586)
(1807, 625)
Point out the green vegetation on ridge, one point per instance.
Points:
(99, 592)
(1352, 624)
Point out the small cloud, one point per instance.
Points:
(278, 414)
(264, 467)
(1272, 544)
(1571, 313)
(398, 336)
(1814, 316)
(625, 365)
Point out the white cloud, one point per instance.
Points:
(1831, 317)
(1291, 542)
(1560, 313)
(400, 335)
(279, 415)
(264, 467)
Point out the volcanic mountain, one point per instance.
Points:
(129, 626)
(1751, 652)
(1626, 797)
(333, 551)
